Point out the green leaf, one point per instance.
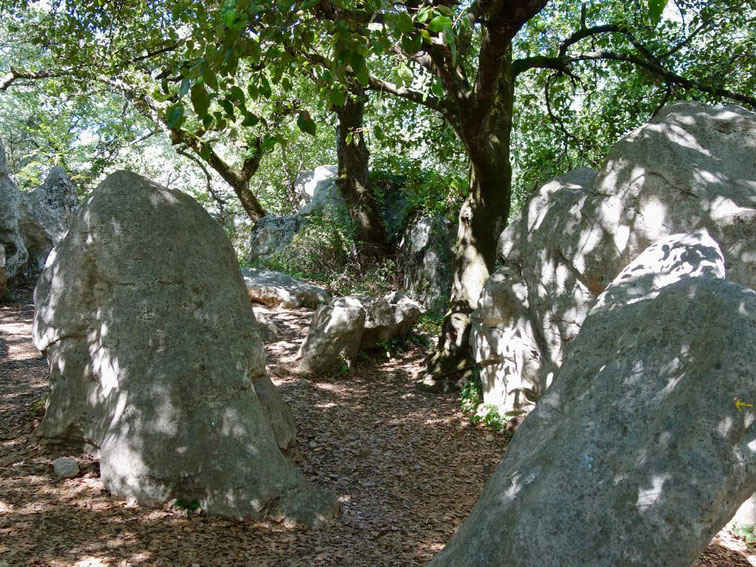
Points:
(269, 142)
(238, 94)
(439, 24)
(265, 87)
(228, 107)
(184, 88)
(337, 97)
(306, 124)
(655, 9)
(228, 12)
(253, 91)
(437, 89)
(404, 23)
(200, 100)
(250, 119)
(173, 115)
(378, 132)
(412, 44)
(208, 76)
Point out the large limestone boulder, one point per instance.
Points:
(425, 257)
(333, 340)
(638, 454)
(320, 190)
(385, 318)
(153, 350)
(272, 289)
(691, 167)
(273, 233)
(3, 275)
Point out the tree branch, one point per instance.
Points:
(669, 77)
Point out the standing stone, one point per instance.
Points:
(3, 275)
(153, 349)
(31, 223)
(16, 255)
(638, 454)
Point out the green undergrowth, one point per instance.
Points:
(478, 412)
(746, 532)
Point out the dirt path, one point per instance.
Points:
(407, 468)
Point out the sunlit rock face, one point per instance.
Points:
(274, 289)
(693, 166)
(638, 454)
(46, 214)
(153, 349)
(31, 223)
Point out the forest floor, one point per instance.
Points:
(407, 468)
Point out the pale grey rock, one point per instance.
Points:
(278, 414)
(65, 467)
(45, 216)
(385, 318)
(425, 257)
(690, 167)
(333, 340)
(3, 161)
(269, 331)
(348, 324)
(271, 288)
(31, 223)
(272, 234)
(322, 193)
(16, 254)
(152, 346)
(637, 455)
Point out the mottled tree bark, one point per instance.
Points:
(354, 184)
(482, 218)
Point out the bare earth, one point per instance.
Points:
(407, 468)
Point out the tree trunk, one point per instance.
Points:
(354, 185)
(482, 218)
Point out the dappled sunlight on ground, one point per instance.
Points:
(406, 467)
